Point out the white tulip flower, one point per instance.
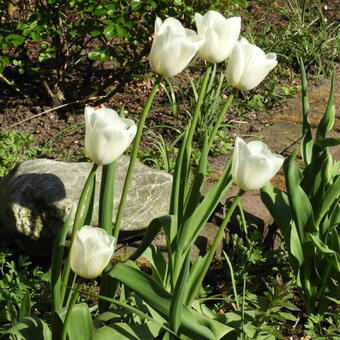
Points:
(107, 135)
(253, 164)
(248, 65)
(220, 35)
(91, 251)
(173, 47)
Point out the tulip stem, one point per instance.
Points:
(74, 298)
(219, 120)
(209, 256)
(133, 158)
(81, 213)
(199, 102)
(106, 197)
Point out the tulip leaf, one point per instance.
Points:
(79, 325)
(326, 142)
(166, 222)
(177, 196)
(30, 328)
(57, 262)
(197, 184)
(299, 201)
(202, 213)
(159, 266)
(124, 331)
(193, 324)
(25, 306)
(331, 195)
(277, 203)
(195, 271)
(326, 250)
(179, 295)
(328, 118)
(307, 141)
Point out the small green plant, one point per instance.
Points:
(21, 283)
(308, 212)
(306, 34)
(17, 146)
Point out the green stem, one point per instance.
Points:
(232, 280)
(219, 120)
(199, 102)
(106, 197)
(75, 295)
(133, 159)
(209, 256)
(82, 210)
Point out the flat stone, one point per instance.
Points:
(37, 196)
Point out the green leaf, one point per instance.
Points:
(36, 36)
(330, 196)
(193, 225)
(80, 322)
(15, 39)
(25, 306)
(179, 296)
(328, 118)
(307, 141)
(57, 262)
(30, 328)
(299, 201)
(193, 324)
(159, 266)
(125, 331)
(326, 250)
(110, 31)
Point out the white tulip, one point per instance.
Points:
(253, 164)
(220, 35)
(173, 47)
(248, 65)
(107, 135)
(91, 251)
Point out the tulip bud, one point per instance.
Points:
(107, 135)
(253, 164)
(91, 251)
(173, 47)
(248, 65)
(220, 35)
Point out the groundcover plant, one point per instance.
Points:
(167, 303)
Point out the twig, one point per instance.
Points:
(52, 109)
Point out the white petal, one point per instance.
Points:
(235, 66)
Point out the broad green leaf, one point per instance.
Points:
(193, 324)
(179, 296)
(150, 233)
(15, 39)
(79, 325)
(328, 199)
(328, 118)
(159, 266)
(299, 201)
(277, 203)
(295, 244)
(30, 328)
(127, 331)
(197, 184)
(334, 256)
(306, 146)
(25, 306)
(193, 225)
(57, 262)
(110, 31)
(326, 142)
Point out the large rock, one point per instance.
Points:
(37, 196)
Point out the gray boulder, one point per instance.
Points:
(37, 196)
